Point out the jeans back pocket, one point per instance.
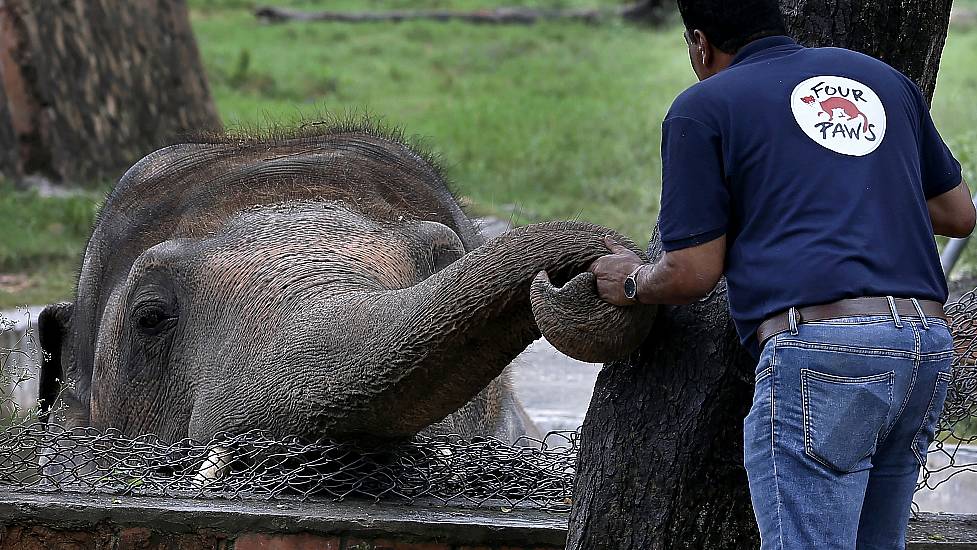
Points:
(927, 430)
(843, 417)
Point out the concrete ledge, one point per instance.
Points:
(352, 524)
(31, 520)
(942, 532)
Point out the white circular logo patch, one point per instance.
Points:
(839, 113)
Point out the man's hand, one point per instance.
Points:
(612, 270)
(679, 277)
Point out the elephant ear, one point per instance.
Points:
(52, 328)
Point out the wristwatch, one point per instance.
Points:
(631, 283)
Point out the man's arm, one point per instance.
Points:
(683, 276)
(679, 277)
(952, 213)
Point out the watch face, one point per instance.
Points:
(630, 288)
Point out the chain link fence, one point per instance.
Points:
(485, 472)
(252, 465)
(446, 470)
(954, 451)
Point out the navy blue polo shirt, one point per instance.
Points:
(816, 163)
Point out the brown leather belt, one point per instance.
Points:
(853, 307)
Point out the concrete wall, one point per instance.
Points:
(42, 538)
(76, 522)
(18, 355)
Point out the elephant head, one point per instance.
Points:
(325, 284)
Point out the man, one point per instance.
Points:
(814, 179)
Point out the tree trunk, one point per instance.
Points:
(661, 455)
(907, 35)
(8, 142)
(92, 88)
(660, 462)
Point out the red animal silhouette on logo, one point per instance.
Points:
(829, 105)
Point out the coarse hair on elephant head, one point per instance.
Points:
(323, 283)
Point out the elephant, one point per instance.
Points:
(320, 282)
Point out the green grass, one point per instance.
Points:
(955, 113)
(42, 245)
(551, 121)
(556, 120)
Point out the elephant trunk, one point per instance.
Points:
(432, 347)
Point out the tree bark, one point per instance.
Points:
(660, 461)
(9, 167)
(660, 464)
(92, 88)
(907, 35)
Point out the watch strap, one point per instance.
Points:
(633, 278)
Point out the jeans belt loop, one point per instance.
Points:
(792, 321)
(895, 314)
(922, 316)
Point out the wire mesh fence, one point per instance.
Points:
(953, 451)
(447, 470)
(252, 465)
(36, 456)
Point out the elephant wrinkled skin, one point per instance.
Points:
(319, 284)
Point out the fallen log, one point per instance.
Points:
(648, 11)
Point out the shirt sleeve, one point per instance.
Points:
(940, 172)
(695, 198)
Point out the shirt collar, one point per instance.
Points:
(759, 46)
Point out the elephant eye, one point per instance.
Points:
(152, 320)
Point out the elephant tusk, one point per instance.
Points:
(213, 468)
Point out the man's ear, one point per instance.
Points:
(703, 48)
(52, 329)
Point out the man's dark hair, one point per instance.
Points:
(732, 24)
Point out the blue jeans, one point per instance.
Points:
(842, 416)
